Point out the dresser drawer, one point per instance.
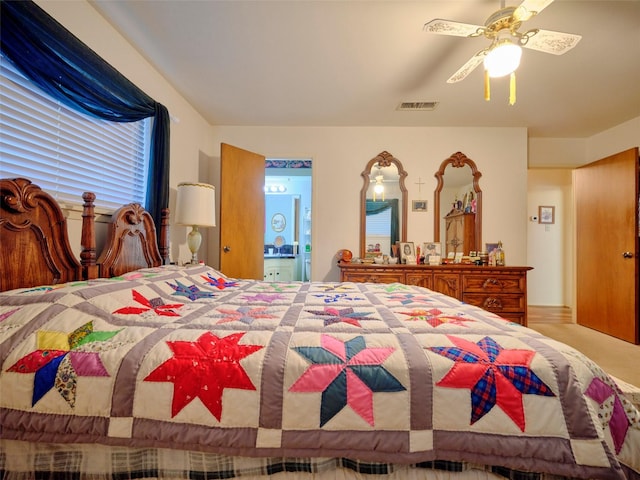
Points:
(370, 275)
(447, 283)
(420, 280)
(494, 283)
(500, 290)
(496, 303)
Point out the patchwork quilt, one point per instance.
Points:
(185, 358)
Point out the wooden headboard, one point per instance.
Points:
(33, 238)
(131, 242)
(35, 247)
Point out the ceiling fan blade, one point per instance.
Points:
(529, 8)
(449, 27)
(548, 41)
(468, 67)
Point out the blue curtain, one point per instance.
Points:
(68, 70)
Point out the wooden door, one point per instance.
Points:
(241, 213)
(606, 199)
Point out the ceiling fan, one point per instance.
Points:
(502, 28)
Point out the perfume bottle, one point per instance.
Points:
(500, 255)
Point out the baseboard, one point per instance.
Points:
(548, 306)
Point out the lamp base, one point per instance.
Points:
(194, 239)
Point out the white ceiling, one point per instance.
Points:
(352, 62)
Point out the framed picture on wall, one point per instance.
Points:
(278, 222)
(546, 214)
(419, 205)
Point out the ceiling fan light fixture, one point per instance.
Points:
(378, 188)
(503, 59)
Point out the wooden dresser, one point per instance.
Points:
(501, 290)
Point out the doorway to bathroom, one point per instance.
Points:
(287, 237)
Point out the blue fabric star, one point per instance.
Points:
(192, 292)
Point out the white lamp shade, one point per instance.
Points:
(503, 59)
(196, 204)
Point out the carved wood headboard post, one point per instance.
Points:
(88, 239)
(163, 239)
(35, 242)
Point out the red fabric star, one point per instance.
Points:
(203, 369)
(494, 375)
(155, 304)
(435, 317)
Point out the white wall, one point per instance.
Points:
(549, 247)
(190, 133)
(614, 140)
(574, 152)
(340, 154)
(551, 250)
(556, 152)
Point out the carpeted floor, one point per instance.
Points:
(617, 357)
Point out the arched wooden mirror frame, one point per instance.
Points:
(383, 159)
(458, 160)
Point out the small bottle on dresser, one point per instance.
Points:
(500, 255)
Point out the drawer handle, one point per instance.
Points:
(493, 303)
(492, 282)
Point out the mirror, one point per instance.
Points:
(383, 205)
(463, 176)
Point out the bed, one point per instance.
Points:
(119, 365)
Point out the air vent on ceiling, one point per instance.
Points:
(417, 106)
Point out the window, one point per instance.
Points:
(66, 152)
(379, 223)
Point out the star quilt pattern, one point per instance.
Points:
(186, 358)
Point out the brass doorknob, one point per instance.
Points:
(627, 255)
(226, 249)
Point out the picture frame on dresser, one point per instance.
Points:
(431, 251)
(431, 248)
(407, 252)
(490, 247)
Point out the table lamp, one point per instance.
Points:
(196, 206)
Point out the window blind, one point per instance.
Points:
(66, 152)
(380, 223)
